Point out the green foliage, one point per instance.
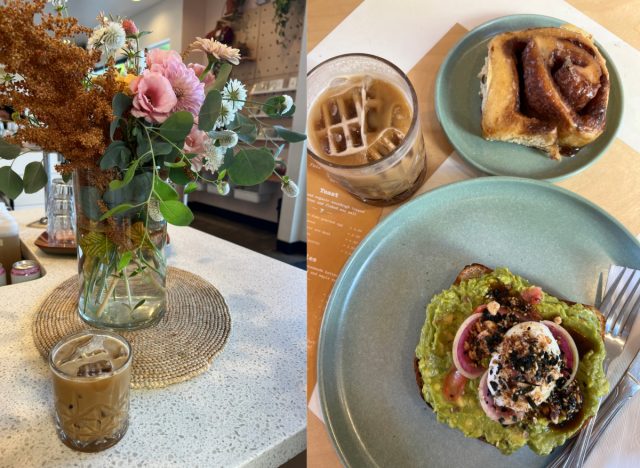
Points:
(96, 244)
(289, 135)
(128, 176)
(177, 127)
(135, 193)
(251, 166)
(176, 212)
(210, 110)
(245, 128)
(116, 210)
(191, 186)
(116, 155)
(35, 177)
(121, 103)
(274, 106)
(164, 191)
(178, 176)
(124, 261)
(222, 76)
(10, 182)
(8, 151)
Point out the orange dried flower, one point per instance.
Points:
(70, 118)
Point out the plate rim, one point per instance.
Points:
(390, 219)
(439, 106)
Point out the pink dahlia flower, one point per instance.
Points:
(154, 97)
(198, 69)
(186, 86)
(158, 59)
(129, 27)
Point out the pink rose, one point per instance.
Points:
(194, 143)
(129, 27)
(158, 59)
(154, 97)
(198, 69)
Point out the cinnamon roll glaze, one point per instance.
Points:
(544, 87)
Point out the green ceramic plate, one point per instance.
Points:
(372, 323)
(457, 103)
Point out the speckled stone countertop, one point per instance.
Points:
(248, 409)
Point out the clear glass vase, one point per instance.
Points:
(121, 261)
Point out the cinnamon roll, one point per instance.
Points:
(545, 87)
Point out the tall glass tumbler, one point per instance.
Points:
(395, 164)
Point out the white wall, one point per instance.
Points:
(164, 20)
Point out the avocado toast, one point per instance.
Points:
(503, 361)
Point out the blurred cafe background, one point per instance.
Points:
(270, 36)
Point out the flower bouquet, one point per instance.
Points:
(130, 138)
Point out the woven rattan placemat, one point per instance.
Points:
(192, 332)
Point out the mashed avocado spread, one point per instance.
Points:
(449, 309)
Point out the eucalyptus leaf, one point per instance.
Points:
(222, 76)
(175, 164)
(135, 193)
(35, 177)
(116, 155)
(176, 212)
(228, 159)
(116, 210)
(210, 110)
(8, 151)
(143, 146)
(128, 176)
(121, 103)
(177, 127)
(178, 176)
(274, 106)
(251, 166)
(191, 187)
(164, 191)
(10, 182)
(289, 135)
(162, 147)
(290, 112)
(113, 127)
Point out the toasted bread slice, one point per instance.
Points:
(476, 270)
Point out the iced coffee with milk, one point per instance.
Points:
(364, 129)
(91, 378)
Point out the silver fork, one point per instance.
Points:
(620, 318)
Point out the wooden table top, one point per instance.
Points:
(613, 182)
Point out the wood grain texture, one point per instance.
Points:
(320, 450)
(620, 17)
(324, 16)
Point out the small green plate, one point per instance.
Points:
(457, 102)
(371, 326)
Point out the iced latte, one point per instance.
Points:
(364, 129)
(91, 378)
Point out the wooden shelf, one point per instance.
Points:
(274, 91)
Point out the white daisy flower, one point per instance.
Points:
(213, 157)
(289, 188)
(288, 103)
(226, 138)
(223, 188)
(235, 93)
(108, 38)
(227, 114)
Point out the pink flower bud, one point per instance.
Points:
(129, 27)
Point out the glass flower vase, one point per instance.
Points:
(121, 260)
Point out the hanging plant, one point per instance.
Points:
(282, 9)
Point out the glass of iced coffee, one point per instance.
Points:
(91, 378)
(364, 128)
